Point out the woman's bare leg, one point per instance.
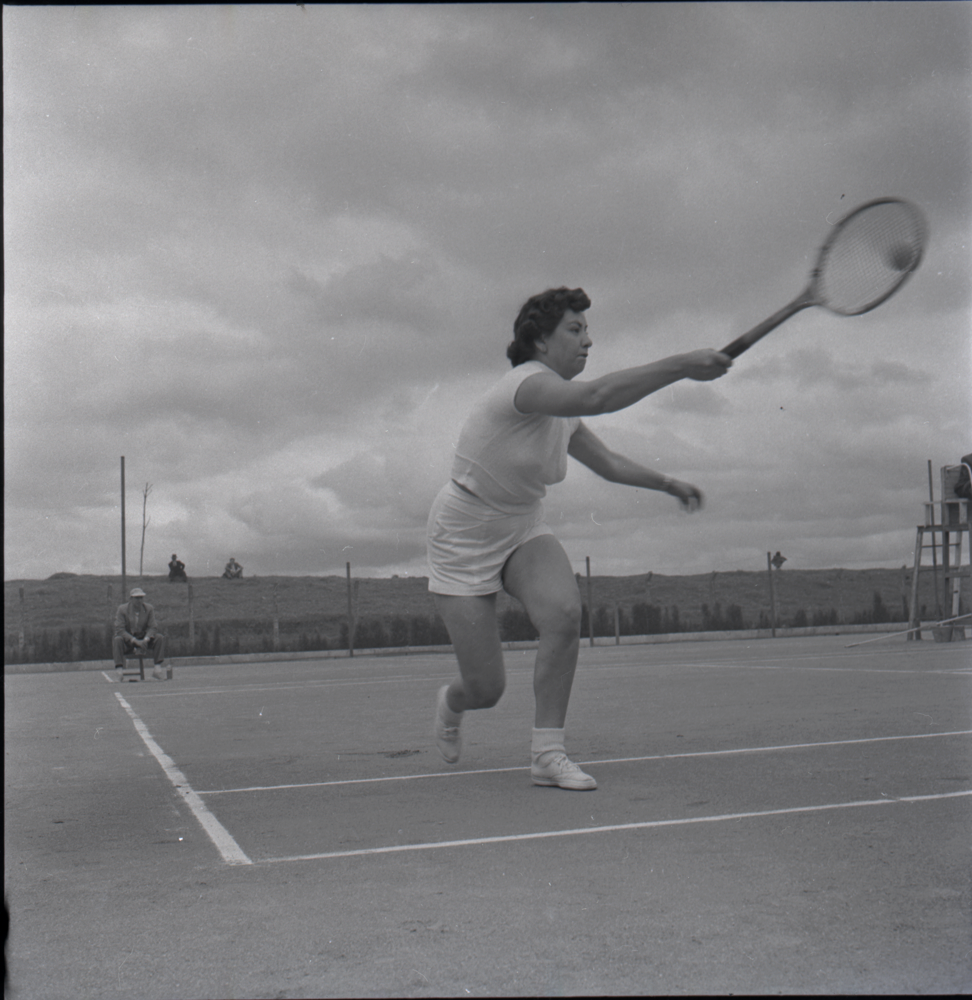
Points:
(539, 575)
(474, 632)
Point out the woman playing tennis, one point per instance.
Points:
(486, 530)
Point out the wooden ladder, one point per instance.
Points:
(947, 525)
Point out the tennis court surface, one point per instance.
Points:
(777, 816)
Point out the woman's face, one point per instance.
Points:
(565, 350)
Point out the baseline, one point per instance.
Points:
(790, 666)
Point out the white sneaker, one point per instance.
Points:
(447, 737)
(560, 771)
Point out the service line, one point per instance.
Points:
(586, 763)
(614, 828)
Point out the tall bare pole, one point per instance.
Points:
(124, 583)
(347, 567)
(145, 523)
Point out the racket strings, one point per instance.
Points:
(873, 251)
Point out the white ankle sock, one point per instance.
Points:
(545, 740)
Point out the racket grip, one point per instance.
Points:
(759, 331)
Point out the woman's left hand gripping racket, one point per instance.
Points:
(865, 260)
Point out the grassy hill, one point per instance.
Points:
(66, 616)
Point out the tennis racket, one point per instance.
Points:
(867, 257)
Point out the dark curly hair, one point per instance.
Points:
(539, 317)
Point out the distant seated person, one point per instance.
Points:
(177, 569)
(233, 570)
(963, 488)
(136, 634)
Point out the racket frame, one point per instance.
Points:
(811, 296)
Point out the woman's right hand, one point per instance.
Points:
(706, 365)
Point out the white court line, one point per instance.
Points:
(586, 763)
(218, 834)
(244, 688)
(819, 670)
(614, 828)
(788, 746)
(513, 673)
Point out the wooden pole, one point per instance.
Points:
(914, 616)
(350, 613)
(22, 632)
(934, 545)
(617, 624)
(192, 623)
(590, 606)
(276, 621)
(769, 569)
(124, 581)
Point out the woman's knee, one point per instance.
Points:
(484, 692)
(561, 617)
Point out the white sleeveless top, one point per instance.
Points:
(508, 458)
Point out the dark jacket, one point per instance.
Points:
(130, 625)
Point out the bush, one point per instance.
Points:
(515, 625)
(419, 631)
(440, 634)
(369, 633)
(877, 614)
(398, 631)
(672, 621)
(716, 621)
(825, 617)
(603, 621)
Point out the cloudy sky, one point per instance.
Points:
(270, 254)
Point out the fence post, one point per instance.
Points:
(617, 624)
(192, 625)
(22, 630)
(350, 613)
(769, 569)
(590, 606)
(110, 626)
(276, 621)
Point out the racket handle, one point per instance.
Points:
(759, 331)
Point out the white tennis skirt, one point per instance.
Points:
(469, 542)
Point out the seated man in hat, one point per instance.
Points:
(136, 634)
